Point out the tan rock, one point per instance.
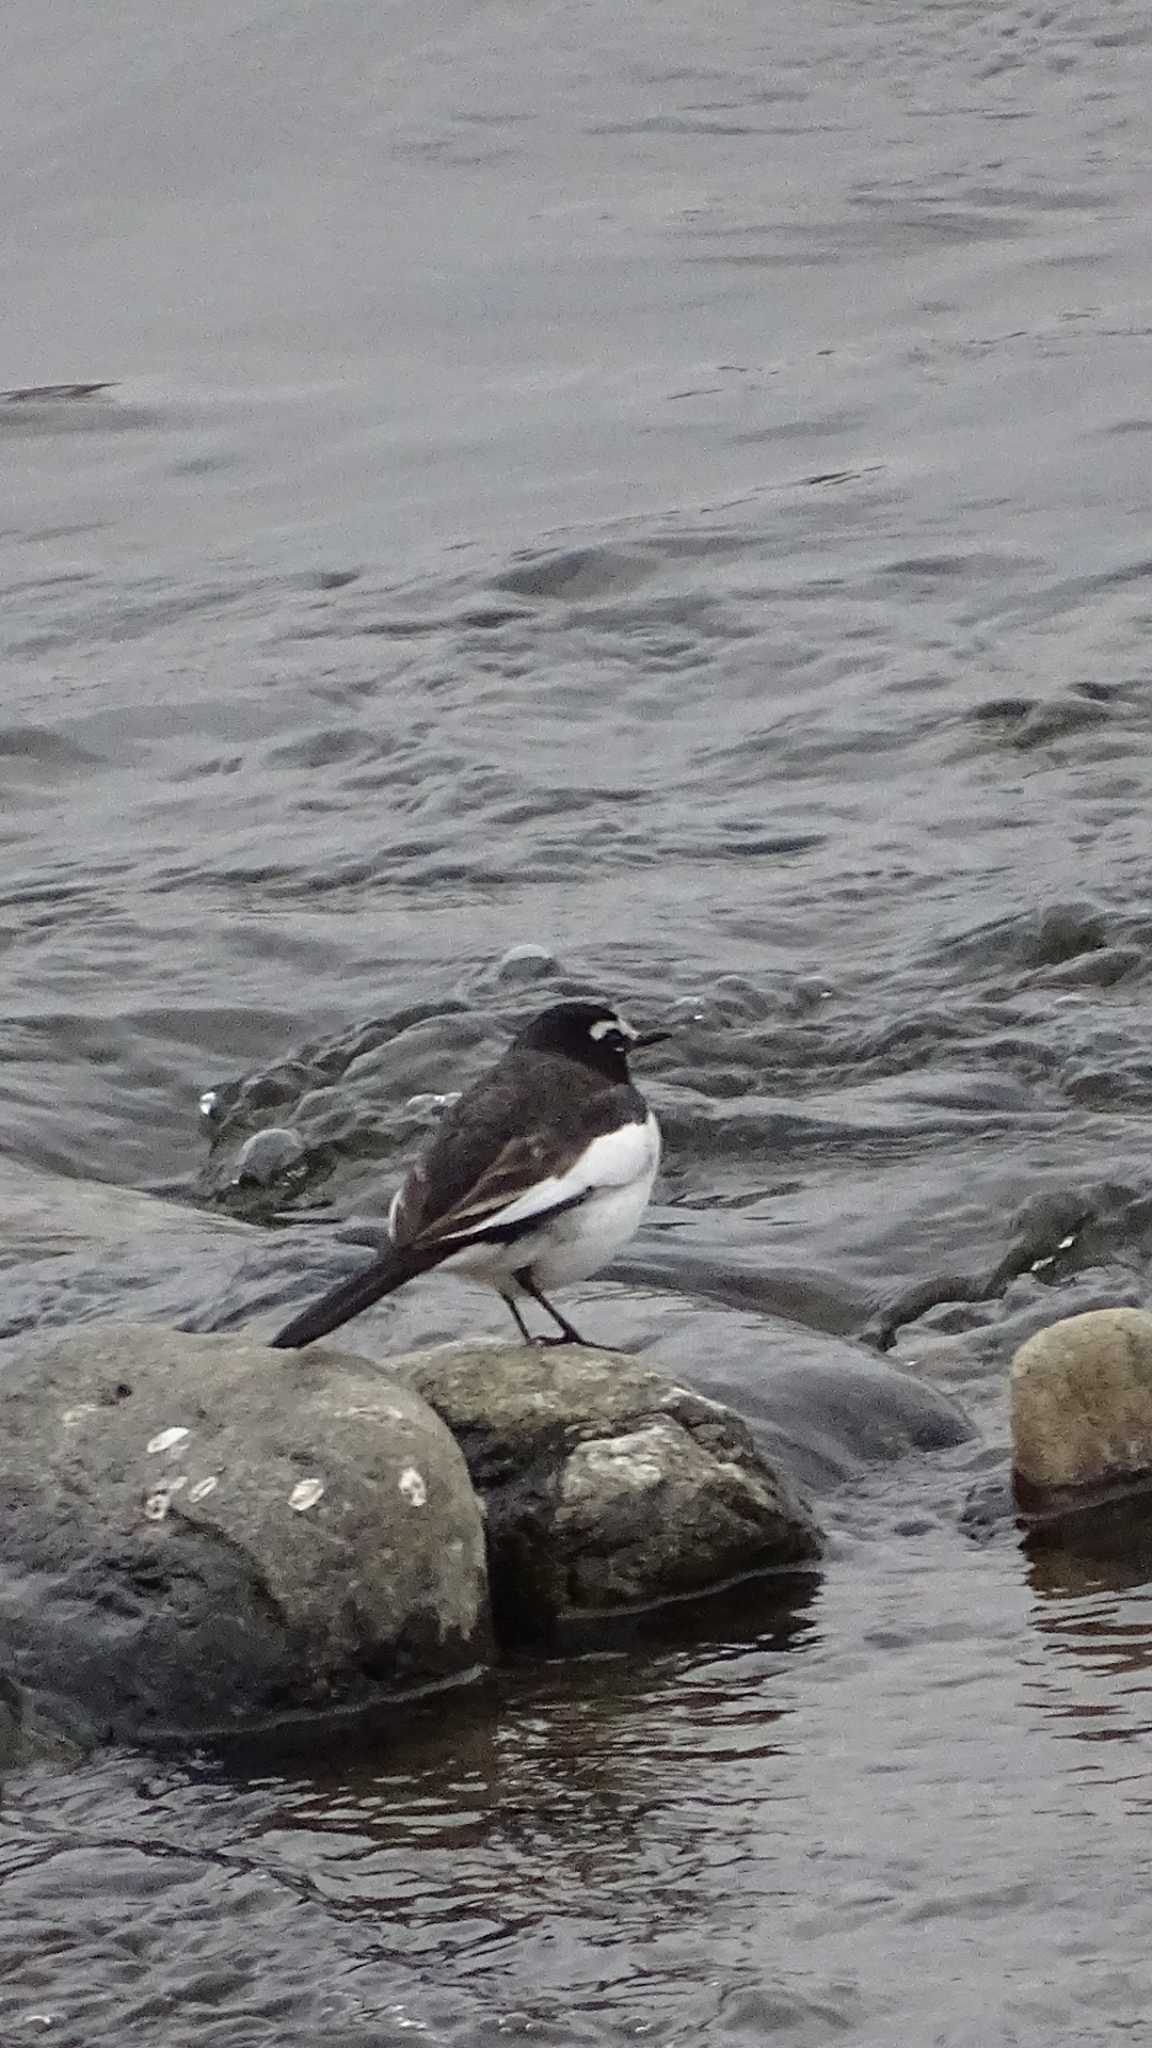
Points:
(1082, 1406)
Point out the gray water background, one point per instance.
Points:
(669, 485)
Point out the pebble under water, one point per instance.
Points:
(647, 501)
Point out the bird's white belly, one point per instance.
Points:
(588, 1237)
(575, 1244)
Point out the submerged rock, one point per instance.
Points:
(607, 1488)
(199, 1534)
(521, 964)
(1082, 1411)
(825, 1409)
(269, 1155)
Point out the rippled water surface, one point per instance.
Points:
(667, 486)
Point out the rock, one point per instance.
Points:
(828, 1418)
(199, 1534)
(1082, 1410)
(522, 964)
(607, 1488)
(823, 1409)
(268, 1154)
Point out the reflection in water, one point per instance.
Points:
(801, 1834)
(1093, 1611)
(592, 1823)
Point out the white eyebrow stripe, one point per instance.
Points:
(608, 1024)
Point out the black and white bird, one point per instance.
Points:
(536, 1176)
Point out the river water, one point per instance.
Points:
(668, 486)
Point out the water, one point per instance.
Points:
(672, 489)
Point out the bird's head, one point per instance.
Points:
(593, 1033)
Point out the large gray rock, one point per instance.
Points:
(200, 1534)
(607, 1487)
(1082, 1410)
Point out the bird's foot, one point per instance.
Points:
(585, 1343)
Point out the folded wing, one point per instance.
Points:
(519, 1190)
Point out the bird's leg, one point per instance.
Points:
(521, 1325)
(524, 1279)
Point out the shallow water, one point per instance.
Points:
(671, 490)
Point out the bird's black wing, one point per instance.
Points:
(523, 1128)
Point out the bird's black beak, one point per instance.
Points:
(650, 1038)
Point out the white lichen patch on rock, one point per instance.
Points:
(168, 1439)
(412, 1486)
(305, 1494)
(159, 1501)
(637, 1461)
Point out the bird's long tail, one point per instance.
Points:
(385, 1274)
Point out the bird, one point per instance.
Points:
(534, 1178)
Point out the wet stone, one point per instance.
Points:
(202, 1535)
(607, 1488)
(523, 964)
(1082, 1410)
(1066, 930)
(268, 1154)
